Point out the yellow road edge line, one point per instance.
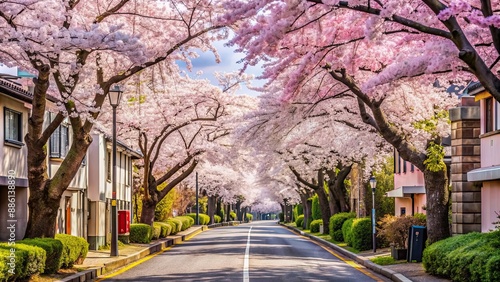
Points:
(144, 259)
(349, 262)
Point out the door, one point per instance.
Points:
(68, 215)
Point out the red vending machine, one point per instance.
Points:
(123, 222)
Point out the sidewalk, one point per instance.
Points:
(396, 272)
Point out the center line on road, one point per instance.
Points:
(246, 277)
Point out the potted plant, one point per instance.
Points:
(395, 231)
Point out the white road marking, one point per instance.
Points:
(246, 276)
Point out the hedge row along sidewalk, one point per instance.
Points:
(99, 263)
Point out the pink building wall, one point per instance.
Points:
(409, 178)
(490, 193)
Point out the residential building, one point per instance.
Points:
(100, 186)
(487, 176)
(409, 192)
(15, 103)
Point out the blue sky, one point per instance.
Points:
(229, 63)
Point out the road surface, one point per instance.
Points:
(259, 251)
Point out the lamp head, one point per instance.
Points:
(373, 183)
(115, 95)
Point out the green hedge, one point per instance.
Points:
(299, 221)
(140, 233)
(315, 225)
(29, 260)
(217, 219)
(249, 217)
(165, 229)
(347, 231)
(362, 237)
(186, 221)
(204, 219)
(53, 249)
(75, 250)
(156, 232)
(232, 215)
(336, 222)
(178, 224)
(469, 257)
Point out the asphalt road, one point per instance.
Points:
(260, 251)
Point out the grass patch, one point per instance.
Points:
(350, 249)
(386, 260)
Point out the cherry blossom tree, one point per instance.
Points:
(384, 67)
(78, 50)
(315, 140)
(172, 120)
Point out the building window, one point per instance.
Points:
(59, 142)
(13, 126)
(108, 166)
(404, 166)
(412, 168)
(397, 162)
(403, 211)
(489, 120)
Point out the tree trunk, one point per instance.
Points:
(437, 205)
(45, 194)
(148, 211)
(218, 209)
(211, 206)
(325, 209)
(149, 203)
(307, 213)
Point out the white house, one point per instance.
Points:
(100, 186)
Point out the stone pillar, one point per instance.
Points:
(466, 156)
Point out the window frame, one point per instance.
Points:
(7, 140)
(61, 153)
(489, 115)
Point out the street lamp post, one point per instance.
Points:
(114, 95)
(373, 184)
(197, 202)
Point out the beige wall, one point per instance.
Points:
(419, 202)
(490, 197)
(13, 157)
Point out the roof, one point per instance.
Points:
(406, 191)
(15, 91)
(484, 174)
(135, 154)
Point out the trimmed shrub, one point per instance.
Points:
(316, 209)
(186, 221)
(5, 260)
(204, 219)
(362, 238)
(156, 232)
(469, 257)
(315, 225)
(53, 248)
(249, 217)
(336, 222)
(178, 224)
(232, 215)
(299, 221)
(165, 229)
(75, 250)
(140, 233)
(282, 217)
(347, 231)
(29, 260)
(217, 219)
(173, 227)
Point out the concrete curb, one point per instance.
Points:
(394, 276)
(92, 273)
